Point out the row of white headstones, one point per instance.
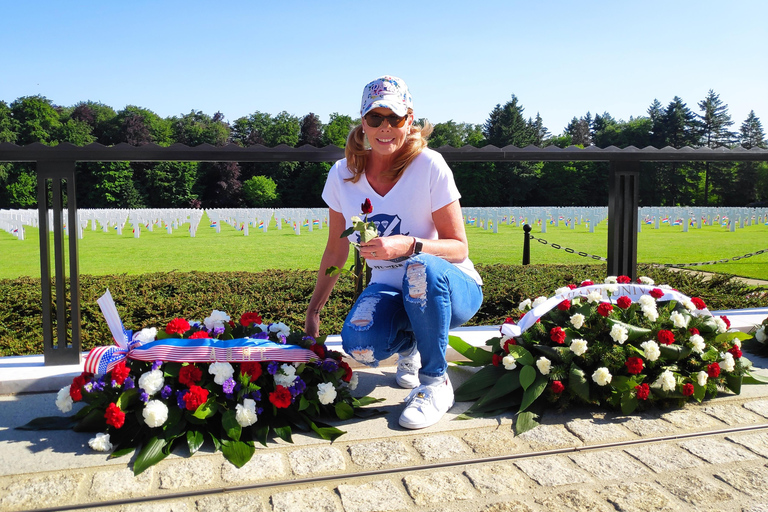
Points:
(245, 219)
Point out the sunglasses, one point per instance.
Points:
(374, 120)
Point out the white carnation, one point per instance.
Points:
(577, 320)
(538, 301)
(665, 287)
(63, 400)
(690, 306)
(702, 378)
(155, 413)
(619, 334)
(217, 319)
(326, 393)
(279, 328)
(667, 380)
(612, 288)
(679, 320)
(602, 376)
(562, 290)
(611, 280)
(721, 325)
(760, 335)
(353, 382)
(647, 300)
(245, 413)
(524, 305)
(650, 350)
(509, 362)
(100, 443)
(544, 365)
(578, 346)
(650, 312)
(286, 375)
(697, 343)
(727, 363)
(221, 372)
(152, 382)
(737, 342)
(594, 296)
(146, 335)
(645, 280)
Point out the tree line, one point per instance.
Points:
(297, 184)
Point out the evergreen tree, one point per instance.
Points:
(310, 131)
(752, 177)
(713, 125)
(678, 182)
(751, 133)
(579, 130)
(541, 135)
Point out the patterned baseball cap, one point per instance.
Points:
(387, 92)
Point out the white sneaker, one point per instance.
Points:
(407, 375)
(427, 404)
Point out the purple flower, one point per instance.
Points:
(166, 392)
(256, 395)
(144, 397)
(273, 367)
(260, 336)
(310, 338)
(259, 410)
(98, 385)
(218, 330)
(329, 365)
(114, 384)
(281, 338)
(299, 386)
(128, 383)
(88, 387)
(228, 386)
(180, 399)
(156, 365)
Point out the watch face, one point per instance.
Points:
(417, 248)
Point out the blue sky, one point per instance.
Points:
(561, 59)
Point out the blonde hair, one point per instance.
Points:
(357, 152)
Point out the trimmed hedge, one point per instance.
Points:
(154, 299)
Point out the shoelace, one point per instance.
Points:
(419, 396)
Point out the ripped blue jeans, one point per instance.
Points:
(436, 297)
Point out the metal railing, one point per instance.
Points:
(56, 170)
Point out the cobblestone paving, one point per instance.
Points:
(430, 472)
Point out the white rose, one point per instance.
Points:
(667, 380)
(594, 296)
(577, 320)
(245, 413)
(578, 346)
(602, 376)
(100, 443)
(524, 305)
(509, 362)
(221, 372)
(286, 375)
(647, 300)
(155, 413)
(650, 312)
(611, 280)
(727, 363)
(702, 378)
(146, 335)
(326, 393)
(619, 334)
(760, 335)
(152, 382)
(690, 306)
(544, 365)
(721, 325)
(353, 382)
(280, 328)
(697, 343)
(217, 319)
(538, 301)
(650, 350)
(646, 280)
(679, 320)
(63, 400)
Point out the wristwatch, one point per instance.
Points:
(417, 246)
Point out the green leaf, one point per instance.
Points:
(230, 424)
(262, 434)
(326, 432)
(733, 382)
(505, 385)
(94, 421)
(577, 383)
(532, 393)
(555, 354)
(344, 411)
(751, 378)
(527, 376)
(205, 410)
(171, 369)
(195, 440)
(50, 423)
(237, 452)
(477, 355)
(122, 452)
(628, 404)
(283, 433)
(633, 332)
(347, 232)
(332, 271)
(520, 354)
(526, 421)
(674, 352)
(474, 387)
(365, 400)
(151, 453)
(215, 439)
(127, 399)
(699, 391)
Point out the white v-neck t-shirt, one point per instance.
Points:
(425, 186)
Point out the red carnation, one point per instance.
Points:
(281, 397)
(634, 365)
(318, 349)
(510, 341)
(587, 283)
(557, 387)
(496, 359)
(656, 293)
(231, 324)
(727, 322)
(347, 371)
(509, 320)
(250, 318)
(604, 309)
(114, 416)
(177, 326)
(195, 397)
(76, 388)
(693, 331)
(624, 302)
(557, 334)
(687, 389)
(736, 351)
(190, 375)
(251, 368)
(698, 303)
(623, 280)
(643, 390)
(564, 305)
(665, 337)
(366, 207)
(571, 286)
(713, 370)
(199, 335)
(120, 372)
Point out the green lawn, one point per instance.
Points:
(108, 253)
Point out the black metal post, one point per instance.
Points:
(623, 202)
(526, 244)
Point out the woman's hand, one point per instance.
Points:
(387, 247)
